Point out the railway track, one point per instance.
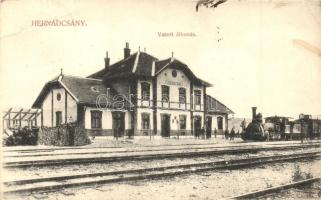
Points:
(61, 182)
(201, 147)
(117, 151)
(149, 155)
(52, 149)
(273, 190)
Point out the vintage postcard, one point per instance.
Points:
(160, 99)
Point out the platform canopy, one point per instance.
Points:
(15, 116)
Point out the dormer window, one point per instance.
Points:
(94, 89)
(145, 91)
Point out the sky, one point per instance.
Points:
(268, 54)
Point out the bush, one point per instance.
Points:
(298, 175)
(64, 135)
(22, 136)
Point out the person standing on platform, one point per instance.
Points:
(232, 134)
(226, 134)
(203, 133)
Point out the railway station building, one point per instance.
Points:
(138, 95)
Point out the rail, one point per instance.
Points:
(60, 182)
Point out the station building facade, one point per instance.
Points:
(138, 95)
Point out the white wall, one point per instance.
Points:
(139, 117)
(128, 120)
(174, 113)
(107, 118)
(58, 105)
(181, 80)
(46, 110)
(71, 109)
(214, 121)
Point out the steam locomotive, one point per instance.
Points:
(281, 128)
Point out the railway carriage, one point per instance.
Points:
(310, 128)
(281, 128)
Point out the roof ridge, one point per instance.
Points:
(68, 90)
(149, 55)
(159, 71)
(136, 62)
(124, 59)
(140, 52)
(158, 61)
(111, 66)
(79, 77)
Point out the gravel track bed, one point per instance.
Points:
(51, 171)
(199, 186)
(312, 191)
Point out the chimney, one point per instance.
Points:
(107, 59)
(253, 113)
(126, 51)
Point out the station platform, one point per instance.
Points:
(156, 141)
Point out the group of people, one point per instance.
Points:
(206, 134)
(230, 135)
(203, 133)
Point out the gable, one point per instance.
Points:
(167, 77)
(178, 65)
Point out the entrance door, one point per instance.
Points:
(197, 126)
(58, 118)
(165, 125)
(208, 126)
(118, 124)
(220, 125)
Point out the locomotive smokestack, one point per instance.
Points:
(253, 113)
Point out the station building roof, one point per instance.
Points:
(215, 106)
(144, 65)
(82, 90)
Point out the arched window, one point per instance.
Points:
(182, 95)
(165, 93)
(145, 91)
